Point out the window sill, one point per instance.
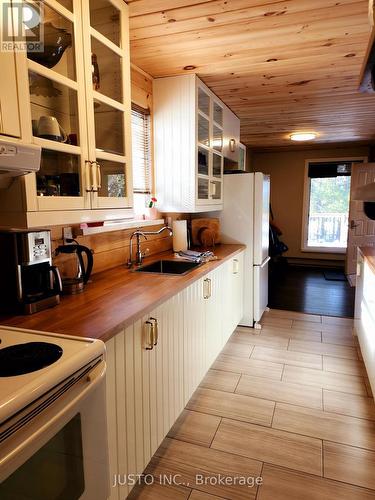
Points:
(119, 225)
(323, 250)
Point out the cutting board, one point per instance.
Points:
(205, 231)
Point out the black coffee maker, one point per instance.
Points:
(76, 283)
(28, 281)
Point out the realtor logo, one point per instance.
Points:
(22, 27)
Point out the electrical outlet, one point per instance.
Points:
(67, 234)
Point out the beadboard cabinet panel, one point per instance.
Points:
(148, 388)
(233, 294)
(175, 137)
(214, 314)
(194, 337)
(144, 390)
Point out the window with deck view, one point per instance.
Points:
(327, 212)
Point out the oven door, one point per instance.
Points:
(57, 449)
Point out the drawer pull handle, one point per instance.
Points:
(235, 266)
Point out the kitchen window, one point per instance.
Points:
(141, 157)
(326, 205)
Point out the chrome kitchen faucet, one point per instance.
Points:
(138, 234)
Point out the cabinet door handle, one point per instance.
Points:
(235, 266)
(88, 168)
(94, 177)
(209, 287)
(148, 336)
(213, 188)
(91, 176)
(99, 175)
(155, 331)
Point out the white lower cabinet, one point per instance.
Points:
(144, 388)
(364, 316)
(213, 295)
(194, 337)
(155, 365)
(233, 294)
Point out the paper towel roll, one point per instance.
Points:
(179, 235)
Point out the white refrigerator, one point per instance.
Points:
(245, 219)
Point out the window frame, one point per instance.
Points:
(306, 205)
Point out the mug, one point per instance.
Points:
(49, 128)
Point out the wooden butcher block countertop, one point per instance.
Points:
(369, 255)
(115, 299)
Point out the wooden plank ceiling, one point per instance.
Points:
(281, 66)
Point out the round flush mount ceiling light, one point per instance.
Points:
(303, 136)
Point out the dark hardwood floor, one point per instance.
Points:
(304, 289)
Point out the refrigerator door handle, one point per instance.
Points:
(265, 262)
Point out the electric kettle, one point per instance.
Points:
(76, 284)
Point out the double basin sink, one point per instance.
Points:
(169, 267)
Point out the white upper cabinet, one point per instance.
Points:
(74, 101)
(242, 157)
(107, 71)
(9, 116)
(188, 131)
(231, 142)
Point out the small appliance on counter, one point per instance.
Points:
(75, 284)
(29, 282)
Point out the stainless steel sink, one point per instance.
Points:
(168, 267)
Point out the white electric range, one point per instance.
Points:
(52, 405)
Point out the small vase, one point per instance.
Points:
(151, 213)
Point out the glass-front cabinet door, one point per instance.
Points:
(79, 90)
(107, 70)
(209, 148)
(57, 115)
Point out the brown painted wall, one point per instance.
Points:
(286, 169)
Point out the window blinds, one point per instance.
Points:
(141, 150)
(330, 169)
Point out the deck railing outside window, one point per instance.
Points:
(328, 230)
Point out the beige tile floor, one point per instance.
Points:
(291, 404)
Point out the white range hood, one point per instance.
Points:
(17, 159)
